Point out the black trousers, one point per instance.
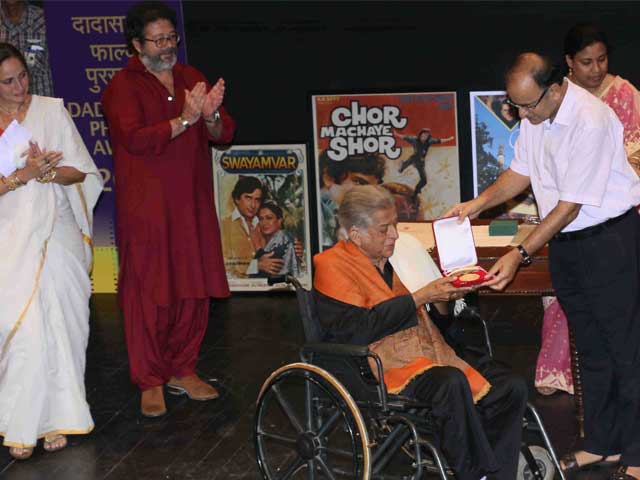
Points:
(419, 163)
(482, 439)
(597, 281)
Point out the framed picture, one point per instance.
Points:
(494, 130)
(406, 142)
(262, 203)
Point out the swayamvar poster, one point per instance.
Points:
(262, 203)
(406, 142)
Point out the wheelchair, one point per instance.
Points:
(328, 417)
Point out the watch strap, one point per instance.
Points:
(215, 116)
(525, 257)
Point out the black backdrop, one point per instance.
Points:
(273, 55)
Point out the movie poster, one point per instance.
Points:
(406, 142)
(263, 208)
(494, 130)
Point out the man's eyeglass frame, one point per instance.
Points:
(530, 106)
(163, 41)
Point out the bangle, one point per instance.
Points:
(47, 177)
(213, 118)
(13, 182)
(184, 122)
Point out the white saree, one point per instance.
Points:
(45, 258)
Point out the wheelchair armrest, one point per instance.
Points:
(348, 350)
(341, 349)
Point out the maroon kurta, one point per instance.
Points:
(167, 232)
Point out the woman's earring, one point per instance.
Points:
(570, 72)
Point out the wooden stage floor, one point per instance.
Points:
(249, 336)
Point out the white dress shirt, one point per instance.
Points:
(578, 158)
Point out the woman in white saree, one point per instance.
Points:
(45, 249)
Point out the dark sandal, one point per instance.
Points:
(570, 463)
(621, 474)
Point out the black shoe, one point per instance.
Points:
(621, 474)
(571, 464)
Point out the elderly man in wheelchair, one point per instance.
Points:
(474, 406)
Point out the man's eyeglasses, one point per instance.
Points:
(530, 106)
(162, 42)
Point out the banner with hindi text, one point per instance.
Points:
(86, 48)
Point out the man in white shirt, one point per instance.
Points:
(570, 150)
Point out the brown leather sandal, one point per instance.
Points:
(152, 402)
(193, 386)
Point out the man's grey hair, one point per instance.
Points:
(361, 203)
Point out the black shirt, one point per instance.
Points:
(421, 149)
(345, 323)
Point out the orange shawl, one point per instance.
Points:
(345, 274)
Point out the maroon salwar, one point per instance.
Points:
(166, 340)
(167, 232)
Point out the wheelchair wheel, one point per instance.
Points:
(543, 461)
(308, 426)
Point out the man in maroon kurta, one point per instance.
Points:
(161, 116)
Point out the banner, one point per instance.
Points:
(262, 202)
(494, 130)
(406, 142)
(86, 48)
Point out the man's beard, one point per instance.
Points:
(155, 62)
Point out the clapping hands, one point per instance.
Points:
(214, 99)
(193, 102)
(198, 103)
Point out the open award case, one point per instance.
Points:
(457, 251)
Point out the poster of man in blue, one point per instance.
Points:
(86, 48)
(261, 198)
(495, 126)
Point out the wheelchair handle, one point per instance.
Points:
(288, 279)
(271, 281)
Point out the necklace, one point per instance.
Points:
(10, 112)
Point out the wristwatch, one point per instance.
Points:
(215, 116)
(526, 258)
(183, 122)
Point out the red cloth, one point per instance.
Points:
(162, 341)
(167, 231)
